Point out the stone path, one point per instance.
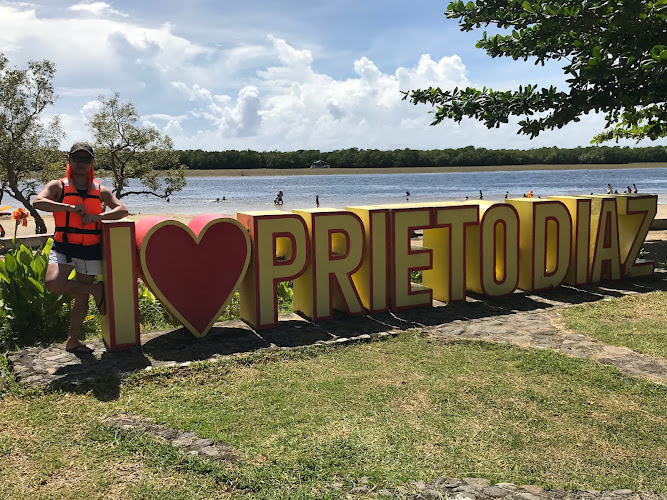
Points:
(543, 330)
(525, 320)
(189, 441)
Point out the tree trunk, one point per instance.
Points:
(40, 226)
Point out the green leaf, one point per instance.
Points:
(38, 266)
(25, 256)
(10, 263)
(526, 5)
(38, 286)
(656, 52)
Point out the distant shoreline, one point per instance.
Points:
(257, 172)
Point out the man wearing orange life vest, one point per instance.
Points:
(76, 202)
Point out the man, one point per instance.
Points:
(76, 202)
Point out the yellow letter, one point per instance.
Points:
(447, 239)
(120, 325)
(544, 245)
(280, 253)
(580, 211)
(404, 260)
(492, 267)
(606, 258)
(634, 220)
(337, 242)
(372, 278)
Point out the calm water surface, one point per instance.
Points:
(339, 191)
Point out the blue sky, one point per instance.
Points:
(269, 75)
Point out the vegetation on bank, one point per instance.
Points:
(374, 158)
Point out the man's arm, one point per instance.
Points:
(118, 208)
(46, 200)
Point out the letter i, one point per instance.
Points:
(120, 325)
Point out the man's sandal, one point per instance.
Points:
(80, 349)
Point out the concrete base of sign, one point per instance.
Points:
(33, 241)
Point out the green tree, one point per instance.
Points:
(129, 151)
(28, 146)
(616, 64)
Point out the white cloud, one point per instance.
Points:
(293, 107)
(80, 91)
(261, 94)
(194, 93)
(239, 119)
(96, 8)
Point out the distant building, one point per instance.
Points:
(319, 164)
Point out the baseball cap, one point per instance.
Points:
(81, 146)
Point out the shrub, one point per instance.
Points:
(31, 314)
(152, 314)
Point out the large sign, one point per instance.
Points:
(360, 260)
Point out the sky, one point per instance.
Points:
(272, 76)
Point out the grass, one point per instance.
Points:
(636, 321)
(393, 411)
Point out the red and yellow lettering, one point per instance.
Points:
(580, 211)
(120, 325)
(338, 245)
(635, 214)
(372, 278)
(544, 243)
(605, 251)
(492, 266)
(447, 239)
(281, 252)
(403, 293)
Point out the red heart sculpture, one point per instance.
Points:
(193, 270)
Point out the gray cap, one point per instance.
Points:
(81, 146)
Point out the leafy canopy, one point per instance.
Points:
(28, 145)
(616, 64)
(133, 152)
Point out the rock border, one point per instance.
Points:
(188, 441)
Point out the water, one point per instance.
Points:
(339, 191)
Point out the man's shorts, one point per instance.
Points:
(82, 266)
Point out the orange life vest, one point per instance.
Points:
(70, 229)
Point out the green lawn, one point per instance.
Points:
(636, 321)
(393, 411)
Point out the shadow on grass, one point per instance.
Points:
(172, 347)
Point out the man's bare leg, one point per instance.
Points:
(80, 287)
(78, 312)
(57, 281)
